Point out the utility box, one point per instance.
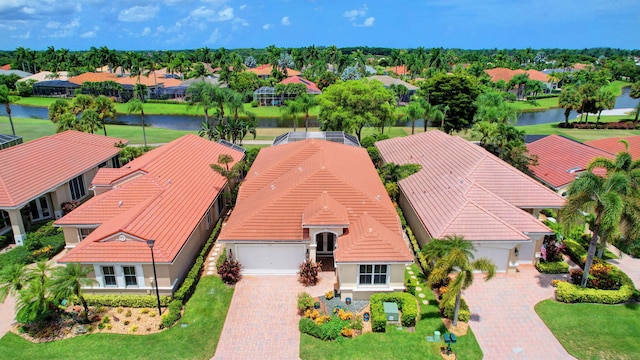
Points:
(391, 311)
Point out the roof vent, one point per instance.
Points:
(378, 197)
(120, 203)
(255, 173)
(574, 169)
(299, 168)
(370, 230)
(122, 238)
(273, 186)
(168, 181)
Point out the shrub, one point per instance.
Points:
(329, 295)
(552, 251)
(407, 303)
(170, 318)
(602, 276)
(329, 330)
(311, 314)
(254, 103)
(230, 271)
(221, 259)
(144, 311)
(322, 319)
(549, 213)
(448, 308)
(4, 241)
(345, 315)
(575, 251)
(305, 301)
(134, 301)
(555, 282)
(308, 326)
(557, 267)
(309, 273)
(69, 206)
(570, 293)
(346, 332)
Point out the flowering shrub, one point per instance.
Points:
(602, 276)
(305, 301)
(346, 332)
(345, 315)
(311, 313)
(68, 206)
(322, 319)
(309, 272)
(328, 295)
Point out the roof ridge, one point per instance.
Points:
(499, 219)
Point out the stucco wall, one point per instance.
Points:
(413, 221)
(348, 275)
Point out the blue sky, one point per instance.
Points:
(190, 24)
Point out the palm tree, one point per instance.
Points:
(33, 300)
(306, 102)
(12, 279)
(222, 168)
(201, 95)
(569, 100)
(434, 250)
(7, 99)
(605, 99)
(459, 258)
(69, 280)
(611, 199)
(433, 112)
(89, 121)
(66, 121)
(291, 108)
(635, 93)
(413, 112)
(105, 109)
(135, 106)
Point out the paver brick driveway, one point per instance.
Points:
(503, 318)
(262, 322)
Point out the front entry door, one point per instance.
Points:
(40, 209)
(326, 243)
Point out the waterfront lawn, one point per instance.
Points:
(593, 331)
(540, 104)
(581, 134)
(204, 316)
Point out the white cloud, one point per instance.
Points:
(25, 36)
(242, 7)
(210, 14)
(28, 10)
(237, 22)
(266, 26)
(138, 13)
(146, 31)
(285, 21)
(223, 15)
(202, 12)
(64, 30)
(88, 34)
(53, 25)
(369, 21)
(355, 13)
(215, 35)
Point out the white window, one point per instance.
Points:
(109, 276)
(78, 190)
(373, 274)
(4, 219)
(130, 276)
(83, 233)
(40, 208)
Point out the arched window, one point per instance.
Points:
(326, 243)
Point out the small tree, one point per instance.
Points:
(136, 106)
(70, 280)
(7, 99)
(229, 172)
(309, 272)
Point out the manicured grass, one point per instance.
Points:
(394, 344)
(204, 315)
(594, 331)
(541, 104)
(581, 134)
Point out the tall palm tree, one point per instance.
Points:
(89, 121)
(413, 112)
(635, 94)
(569, 100)
(306, 102)
(201, 95)
(291, 108)
(459, 258)
(105, 109)
(605, 99)
(608, 198)
(12, 279)
(137, 106)
(229, 172)
(33, 300)
(7, 99)
(69, 281)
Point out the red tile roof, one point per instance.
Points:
(325, 181)
(36, 167)
(5, 67)
(265, 70)
(312, 88)
(157, 196)
(93, 77)
(507, 74)
(399, 70)
(464, 190)
(613, 145)
(561, 159)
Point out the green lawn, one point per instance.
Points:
(540, 105)
(204, 314)
(594, 331)
(394, 344)
(581, 134)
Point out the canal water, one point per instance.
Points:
(184, 122)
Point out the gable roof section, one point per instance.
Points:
(387, 81)
(561, 159)
(463, 189)
(36, 167)
(287, 181)
(265, 70)
(613, 145)
(312, 88)
(505, 74)
(165, 203)
(325, 211)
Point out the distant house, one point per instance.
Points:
(614, 145)
(464, 190)
(505, 74)
(46, 75)
(158, 196)
(560, 160)
(323, 201)
(266, 95)
(264, 71)
(7, 140)
(38, 176)
(56, 88)
(388, 81)
(20, 73)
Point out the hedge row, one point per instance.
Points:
(448, 309)
(135, 301)
(169, 318)
(570, 293)
(189, 284)
(576, 251)
(407, 303)
(327, 331)
(416, 248)
(555, 267)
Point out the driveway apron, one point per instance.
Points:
(262, 322)
(503, 318)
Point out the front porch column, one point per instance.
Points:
(312, 252)
(55, 204)
(19, 233)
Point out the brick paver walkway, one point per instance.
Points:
(627, 264)
(262, 322)
(7, 315)
(503, 318)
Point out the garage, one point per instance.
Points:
(270, 259)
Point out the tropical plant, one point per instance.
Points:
(202, 95)
(137, 106)
(291, 108)
(605, 99)
(69, 281)
(635, 94)
(309, 272)
(230, 271)
(569, 100)
(7, 99)
(306, 102)
(229, 172)
(12, 279)
(413, 112)
(459, 258)
(34, 301)
(105, 109)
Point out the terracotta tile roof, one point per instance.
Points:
(325, 210)
(507, 74)
(613, 145)
(164, 203)
(93, 77)
(464, 190)
(5, 67)
(398, 70)
(561, 159)
(35, 167)
(288, 181)
(265, 70)
(312, 88)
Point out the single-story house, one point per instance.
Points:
(614, 145)
(36, 177)
(169, 195)
(387, 81)
(266, 95)
(560, 160)
(506, 74)
(46, 75)
(464, 190)
(324, 201)
(264, 71)
(20, 73)
(58, 88)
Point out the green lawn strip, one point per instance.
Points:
(204, 314)
(540, 104)
(593, 331)
(395, 344)
(581, 134)
(617, 86)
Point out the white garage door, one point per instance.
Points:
(270, 259)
